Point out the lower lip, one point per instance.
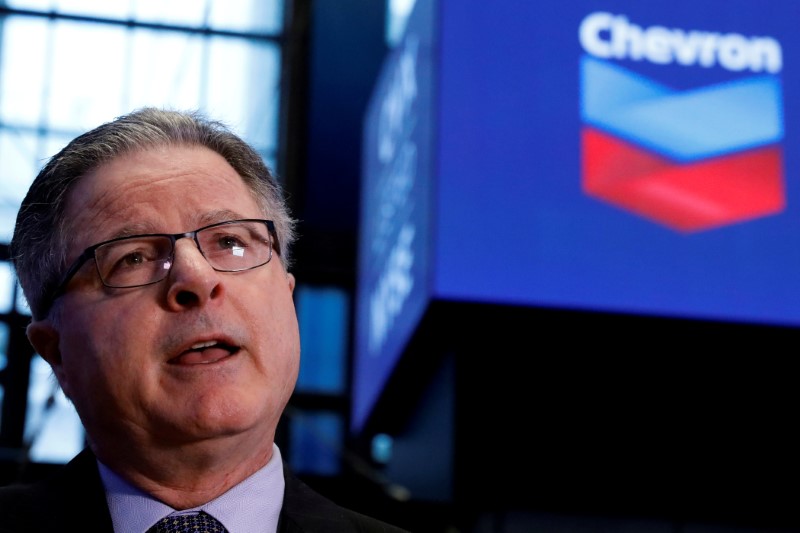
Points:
(209, 356)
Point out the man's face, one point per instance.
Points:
(134, 360)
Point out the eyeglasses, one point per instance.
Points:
(138, 260)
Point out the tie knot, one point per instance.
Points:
(188, 523)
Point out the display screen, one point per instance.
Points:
(614, 156)
(397, 210)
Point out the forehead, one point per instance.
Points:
(165, 189)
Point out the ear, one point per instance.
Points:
(290, 278)
(45, 340)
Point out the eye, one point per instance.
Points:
(120, 260)
(228, 242)
(133, 259)
(128, 259)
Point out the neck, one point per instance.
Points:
(191, 475)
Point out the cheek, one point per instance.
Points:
(278, 338)
(98, 346)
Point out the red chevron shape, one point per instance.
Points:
(686, 197)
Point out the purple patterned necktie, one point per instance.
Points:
(188, 523)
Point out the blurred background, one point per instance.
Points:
(491, 341)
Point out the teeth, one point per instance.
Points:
(201, 345)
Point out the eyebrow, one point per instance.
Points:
(144, 228)
(219, 215)
(137, 228)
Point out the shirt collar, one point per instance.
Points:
(251, 506)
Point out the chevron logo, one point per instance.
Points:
(690, 160)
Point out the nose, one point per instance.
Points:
(192, 281)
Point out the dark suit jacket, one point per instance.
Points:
(74, 500)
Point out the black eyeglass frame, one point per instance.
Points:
(89, 253)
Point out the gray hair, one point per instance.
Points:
(40, 242)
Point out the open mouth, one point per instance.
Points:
(203, 353)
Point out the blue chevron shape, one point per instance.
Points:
(682, 125)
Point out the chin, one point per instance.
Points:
(229, 417)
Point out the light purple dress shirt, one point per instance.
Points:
(252, 506)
